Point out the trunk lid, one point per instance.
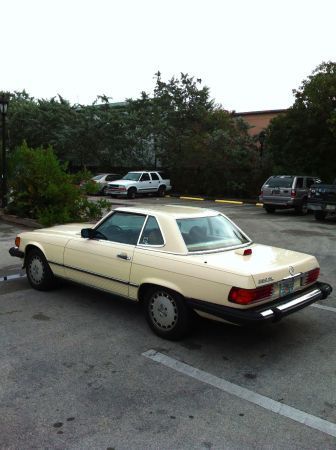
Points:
(265, 265)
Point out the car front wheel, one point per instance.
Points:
(131, 193)
(320, 215)
(38, 271)
(167, 313)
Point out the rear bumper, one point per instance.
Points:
(14, 251)
(270, 312)
(327, 207)
(281, 203)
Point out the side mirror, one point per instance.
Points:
(87, 233)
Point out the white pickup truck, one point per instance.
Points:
(139, 182)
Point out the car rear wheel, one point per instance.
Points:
(38, 271)
(131, 193)
(302, 209)
(270, 209)
(161, 191)
(320, 215)
(167, 313)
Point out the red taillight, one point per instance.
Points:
(261, 194)
(247, 252)
(311, 276)
(246, 296)
(293, 193)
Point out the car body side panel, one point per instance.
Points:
(190, 279)
(96, 263)
(52, 246)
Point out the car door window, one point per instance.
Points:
(121, 227)
(154, 176)
(111, 177)
(151, 234)
(145, 177)
(299, 183)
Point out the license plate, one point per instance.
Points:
(286, 287)
(276, 192)
(331, 207)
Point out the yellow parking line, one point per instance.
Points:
(192, 198)
(229, 201)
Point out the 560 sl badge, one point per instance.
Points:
(265, 280)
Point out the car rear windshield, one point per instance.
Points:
(210, 233)
(280, 182)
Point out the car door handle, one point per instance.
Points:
(124, 256)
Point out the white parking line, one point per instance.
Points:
(243, 393)
(12, 277)
(326, 308)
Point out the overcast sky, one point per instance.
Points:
(251, 54)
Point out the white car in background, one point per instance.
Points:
(102, 180)
(140, 182)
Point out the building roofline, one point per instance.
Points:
(267, 111)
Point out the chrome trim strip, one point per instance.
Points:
(117, 280)
(267, 313)
(297, 275)
(299, 300)
(97, 287)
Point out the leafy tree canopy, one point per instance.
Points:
(303, 139)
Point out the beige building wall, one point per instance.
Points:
(259, 120)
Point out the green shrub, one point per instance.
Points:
(90, 187)
(81, 176)
(40, 188)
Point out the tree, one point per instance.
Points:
(303, 139)
(205, 147)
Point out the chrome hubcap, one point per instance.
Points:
(36, 270)
(163, 310)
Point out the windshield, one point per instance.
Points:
(210, 233)
(133, 176)
(97, 177)
(280, 182)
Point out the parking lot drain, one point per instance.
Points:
(12, 277)
(257, 399)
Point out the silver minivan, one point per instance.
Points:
(286, 191)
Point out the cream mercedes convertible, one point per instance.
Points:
(177, 261)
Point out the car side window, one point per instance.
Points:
(145, 177)
(151, 234)
(310, 181)
(154, 176)
(299, 183)
(121, 227)
(111, 177)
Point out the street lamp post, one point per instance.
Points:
(3, 112)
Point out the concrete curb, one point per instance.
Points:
(229, 202)
(30, 223)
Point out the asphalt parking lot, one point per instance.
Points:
(80, 369)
